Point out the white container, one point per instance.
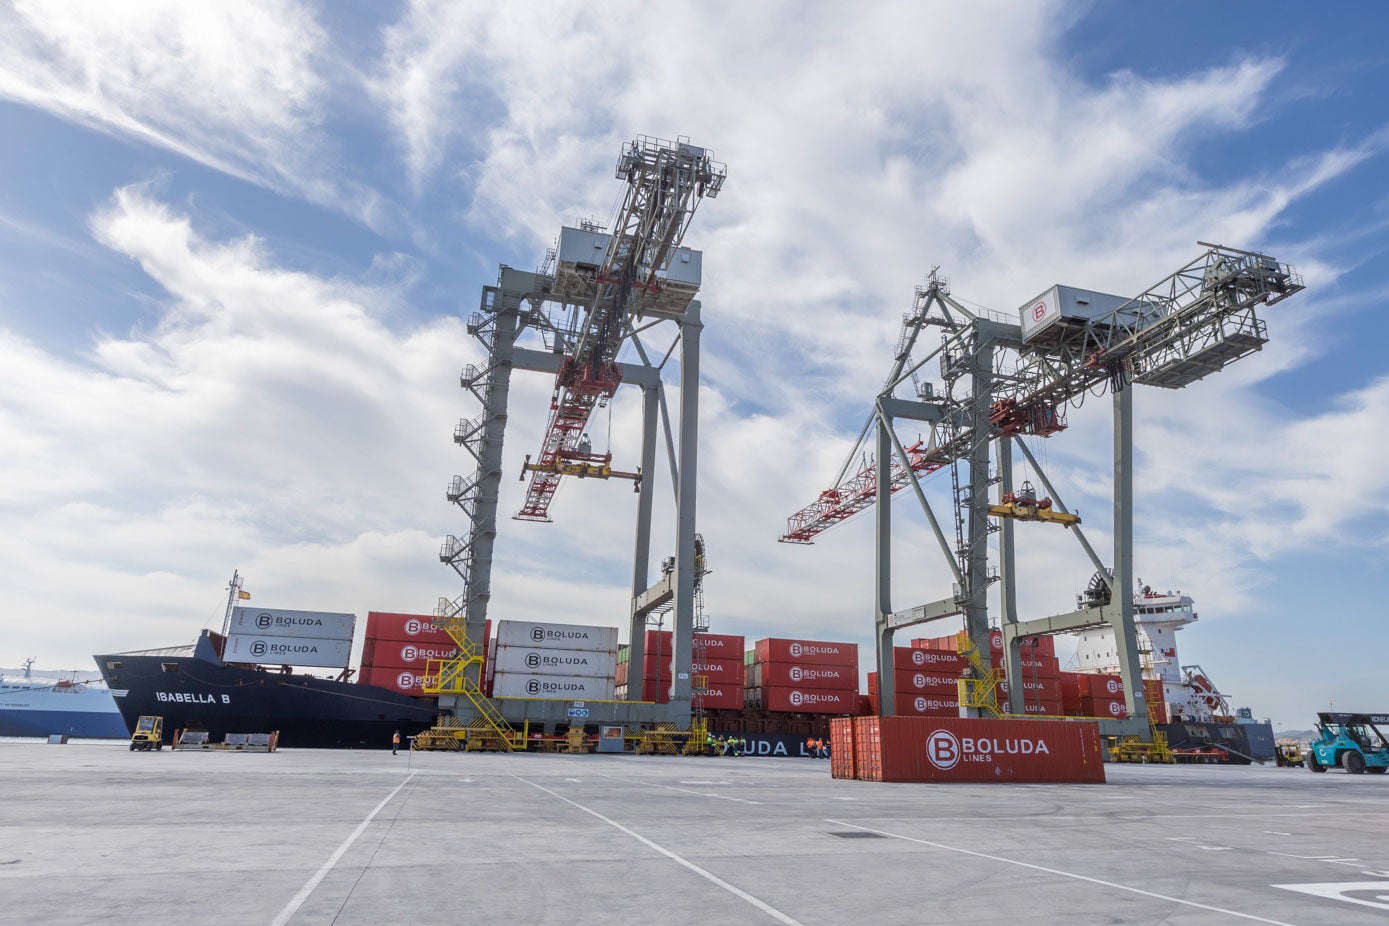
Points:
(287, 651)
(557, 636)
(317, 625)
(1062, 309)
(534, 660)
(560, 687)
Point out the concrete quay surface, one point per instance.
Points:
(97, 834)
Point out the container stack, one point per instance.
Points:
(803, 676)
(1087, 694)
(717, 659)
(1041, 671)
(560, 661)
(927, 682)
(398, 647)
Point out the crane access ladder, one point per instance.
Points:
(490, 729)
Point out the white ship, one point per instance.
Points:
(34, 705)
(1194, 714)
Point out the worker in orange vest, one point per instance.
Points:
(395, 742)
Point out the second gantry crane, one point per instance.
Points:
(1006, 377)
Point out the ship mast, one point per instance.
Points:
(233, 595)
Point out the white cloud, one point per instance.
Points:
(239, 87)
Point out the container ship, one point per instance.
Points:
(194, 688)
(773, 695)
(32, 705)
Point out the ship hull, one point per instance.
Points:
(83, 724)
(193, 694)
(1243, 743)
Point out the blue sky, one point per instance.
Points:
(237, 243)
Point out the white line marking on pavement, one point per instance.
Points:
(652, 784)
(1065, 874)
(1378, 891)
(1329, 859)
(298, 900)
(708, 875)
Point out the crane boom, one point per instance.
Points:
(665, 183)
(1192, 323)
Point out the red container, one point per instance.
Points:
(842, 747)
(1100, 686)
(939, 661)
(722, 671)
(393, 654)
(807, 652)
(958, 749)
(417, 628)
(1037, 689)
(1033, 666)
(809, 700)
(796, 674)
(1104, 707)
(919, 682)
(719, 698)
(405, 681)
(910, 704)
(718, 646)
(1031, 647)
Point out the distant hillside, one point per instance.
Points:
(1301, 736)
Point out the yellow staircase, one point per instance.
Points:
(449, 676)
(981, 691)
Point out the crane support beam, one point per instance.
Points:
(1069, 622)
(543, 361)
(922, 613)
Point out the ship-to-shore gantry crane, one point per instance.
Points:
(598, 290)
(1006, 377)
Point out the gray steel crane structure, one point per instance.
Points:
(595, 292)
(1005, 379)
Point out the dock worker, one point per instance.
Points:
(395, 742)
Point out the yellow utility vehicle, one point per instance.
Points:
(149, 734)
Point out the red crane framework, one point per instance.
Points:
(665, 183)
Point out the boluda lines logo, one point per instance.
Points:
(1039, 311)
(813, 698)
(263, 621)
(412, 653)
(414, 627)
(1113, 685)
(1116, 708)
(944, 750)
(406, 680)
(798, 649)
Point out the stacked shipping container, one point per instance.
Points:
(397, 648)
(717, 672)
(563, 661)
(803, 676)
(1086, 694)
